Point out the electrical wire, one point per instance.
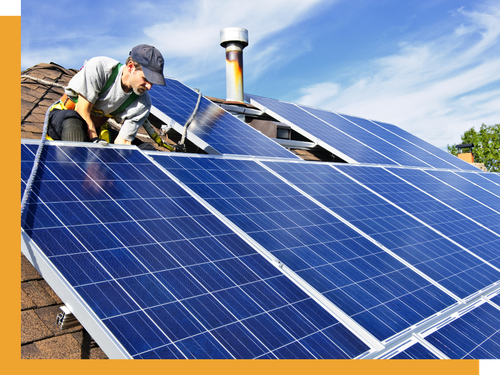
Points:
(34, 169)
(190, 119)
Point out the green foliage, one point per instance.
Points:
(486, 146)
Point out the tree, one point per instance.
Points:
(486, 146)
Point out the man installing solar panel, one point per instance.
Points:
(105, 89)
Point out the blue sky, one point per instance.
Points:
(430, 67)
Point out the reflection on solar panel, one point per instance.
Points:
(213, 129)
(152, 274)
(359, 140)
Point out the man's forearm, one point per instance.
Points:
(83, 108)
(121, 141)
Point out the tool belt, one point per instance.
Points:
(68, 103)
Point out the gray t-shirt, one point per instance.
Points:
(89, 82)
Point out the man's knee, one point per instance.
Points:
(73, 130)
(67, 125)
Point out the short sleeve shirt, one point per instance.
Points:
(89, 82)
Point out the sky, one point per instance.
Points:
(429, 67)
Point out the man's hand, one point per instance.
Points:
(121, 141)
(83, 108)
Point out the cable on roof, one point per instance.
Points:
(43, 81)
(181, 147)
(36, 162)
(31, 179)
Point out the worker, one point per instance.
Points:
(105, 88)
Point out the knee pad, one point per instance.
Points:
(72, 130)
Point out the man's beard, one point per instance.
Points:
(137, 92)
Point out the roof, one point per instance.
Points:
(41, 338)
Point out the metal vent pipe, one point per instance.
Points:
(234, 39)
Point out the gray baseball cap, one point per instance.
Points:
(151, 62)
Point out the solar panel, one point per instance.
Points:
(494, 177)
(379, 292)
(416, 351)
(438, 159)
(248, 258)
(359, 140)
(347, 125)
(469, 234)
(151, 273)
(473, 185)
(213, 129)
(330, 138)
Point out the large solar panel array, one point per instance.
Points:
(228, 257)
(253, 253)
(368, 282)
(161, 275)
(357, 139)
(213, 129)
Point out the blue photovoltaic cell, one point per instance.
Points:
(475, 335)
(459, 228)
(459, 163)
(432, 254)
(368, 284)
(346, 125)
(416, 351)
(221, 130)
(345, 143)
(456, 199)
(165, 276)
(496, 299)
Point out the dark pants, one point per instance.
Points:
(67, 125)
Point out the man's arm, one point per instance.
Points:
(83, 108)
(119, 140)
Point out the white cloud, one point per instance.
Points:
(434, 89)
(193, 29)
